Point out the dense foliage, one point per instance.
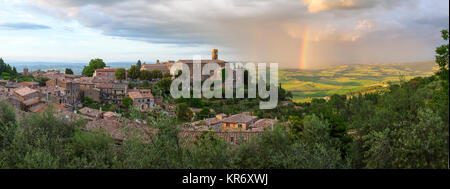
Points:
(94, 64)
(6, 71)
(68, 71)
(120, 74)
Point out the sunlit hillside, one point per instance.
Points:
(343, 79)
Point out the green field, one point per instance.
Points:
(344, 79)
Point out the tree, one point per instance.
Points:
(69, 71)
(204, 113)
(14, 71)
(133, 72)
(442, 57)
(167, 75)
(283, 94)
(145, 75)
(41, 80)
(94, 64)
(2, 65)
(139, 64)
(120, 74)
(164, 85)
(183, 112)
(7, 113)
(6, 68)
(157, 74)
(127, 101)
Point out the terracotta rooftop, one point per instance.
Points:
(84, 80)
(90, 112)
(31, 101)
(25, 83)
(209, 121)
(138, 95)
(262, 124)
(239, 118)
(23, 91)
(106, 70)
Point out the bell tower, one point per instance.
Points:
(215, 54)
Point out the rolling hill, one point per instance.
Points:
(344, 79)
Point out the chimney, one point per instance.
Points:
(215, 54)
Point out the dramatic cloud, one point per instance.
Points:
(23, 26)
(334, 31)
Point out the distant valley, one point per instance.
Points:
(344, 79)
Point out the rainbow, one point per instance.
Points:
(304, 49)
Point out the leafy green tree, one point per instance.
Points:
(14, 71)
(442, 57)
(204, 113)
(164, 85)
(283, 94)
(69, 71)
(183, 112)
(94, 64)
(41, 80)
(8, 126)
(145, 75)
(91, 150)
(211, 152)
(2, 65)
(133, 72)
(157, 74)
(167, 75)
(120, 74)
(139, 64)
(277, 150)
(127, 101)
(6, 71)
(7, 113)
(419, 145)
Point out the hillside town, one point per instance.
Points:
(71, 96)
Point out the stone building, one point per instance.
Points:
(88, 88)
(214, 59)
(91, 114)
(105, 75)
(72, 92)
(238, 122)
(164, 67)
(142, 99)
(112, 92)
(30, 99)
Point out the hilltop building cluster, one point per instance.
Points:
(66, 92)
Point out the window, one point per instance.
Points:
(240, 126)
(231, 139)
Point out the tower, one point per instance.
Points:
(215, 54)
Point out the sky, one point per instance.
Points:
(294, 33)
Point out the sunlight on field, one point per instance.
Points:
(344, 79)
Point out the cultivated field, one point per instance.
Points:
(344, 79)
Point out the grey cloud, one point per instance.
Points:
(23, 26)
(256, 29)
